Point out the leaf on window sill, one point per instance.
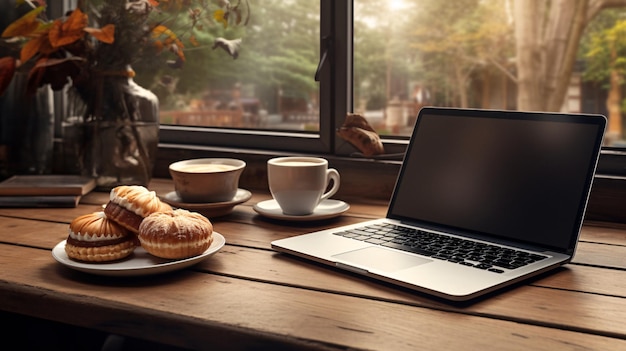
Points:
(357, 131)
(391, 157)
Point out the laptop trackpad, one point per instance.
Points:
(376, 258)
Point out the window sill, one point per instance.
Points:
(374, 179)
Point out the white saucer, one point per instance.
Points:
(138, 264)
(326, 209)
(209, 209)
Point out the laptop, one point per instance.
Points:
(484, 199)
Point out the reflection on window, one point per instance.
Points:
(270, 85)
(464, 53)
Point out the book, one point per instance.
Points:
(46, 184)
(39, 201)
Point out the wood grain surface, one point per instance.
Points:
(247, 296)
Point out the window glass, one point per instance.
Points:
(478, 54)
(462, 53)
(269, 85)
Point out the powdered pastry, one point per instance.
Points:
(176, 234)
(95, 238)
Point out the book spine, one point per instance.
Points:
(39, 201)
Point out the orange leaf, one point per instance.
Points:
(179, 53)
(163, 30)
(7, 69)
(154, 3)
(194, 41)
(158, 45)
(65, 33)
(105, 34)
(24, 25)
(31, 48)
(76, 22)
(46, 47)
(55, 31)
(179, 43)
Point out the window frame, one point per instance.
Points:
(335, 101)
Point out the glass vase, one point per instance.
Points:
(115, 137)
(26, 129)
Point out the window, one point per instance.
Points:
(383, 59)
(299, 96)
(269, 97)
(272, 96)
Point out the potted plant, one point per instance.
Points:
(90, 52)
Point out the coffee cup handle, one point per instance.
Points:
(331, 175)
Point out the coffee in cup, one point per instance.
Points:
(298, 184)
(206, 180)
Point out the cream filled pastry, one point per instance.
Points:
(129, 204)
(176, 234)
(95, 238)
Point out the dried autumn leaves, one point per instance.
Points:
(45, 39)
(58, 50)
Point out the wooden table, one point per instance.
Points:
(247, 296)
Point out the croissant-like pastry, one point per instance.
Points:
(357, 131)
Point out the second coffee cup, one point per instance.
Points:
(298, 184)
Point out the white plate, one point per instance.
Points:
(209, 209)
(326, 209)
(138, 263)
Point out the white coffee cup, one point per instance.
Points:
(206, 180)
(298, 184)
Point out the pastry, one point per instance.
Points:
(95, 238)
(176, 234)
(129, 204)
(357, 131)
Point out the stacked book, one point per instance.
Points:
(44, 190)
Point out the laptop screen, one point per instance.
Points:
(519, 176)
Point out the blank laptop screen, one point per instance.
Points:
(521, 177)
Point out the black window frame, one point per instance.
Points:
(336, 98)
(335, 101)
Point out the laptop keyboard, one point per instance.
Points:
(462, 251)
